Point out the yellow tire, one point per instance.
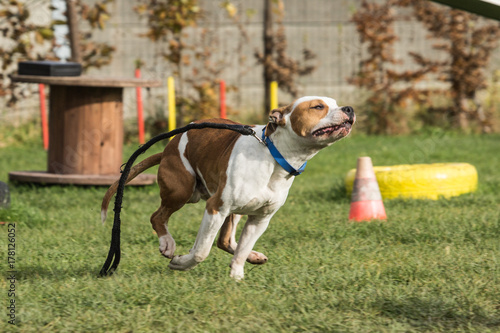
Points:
(422, 181)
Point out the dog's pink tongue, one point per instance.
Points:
(326, 130)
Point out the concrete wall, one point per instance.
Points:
(322, 26)
(40, 14)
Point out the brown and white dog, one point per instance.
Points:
(237, 175)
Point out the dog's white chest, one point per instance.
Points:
(253, 185)
(259, 202)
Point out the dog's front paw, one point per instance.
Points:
(237, 273)
(183, 263)
(167, 246)
(257, 258)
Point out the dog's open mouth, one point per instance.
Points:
(331, 129)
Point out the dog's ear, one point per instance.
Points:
(277, 118)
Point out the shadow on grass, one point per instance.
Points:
(58, 273)
(336, 192)
(27, 273)
(429, 314)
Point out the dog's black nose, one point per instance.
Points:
(348, 110)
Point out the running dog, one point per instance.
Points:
(238, 175)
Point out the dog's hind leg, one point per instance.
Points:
(173, 198)
(177, 187)
(227, 235)
(159, 221)
(227, 240)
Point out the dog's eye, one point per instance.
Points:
(318, 107)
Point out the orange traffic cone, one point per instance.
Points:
(366, 200)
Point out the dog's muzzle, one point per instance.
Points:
(349, 111)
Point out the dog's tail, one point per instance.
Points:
(134, 172)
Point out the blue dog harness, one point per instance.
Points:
(279, 158)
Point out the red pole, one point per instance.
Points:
(222, 98)
(43, 114)
(140, 117)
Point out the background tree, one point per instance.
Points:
(24, 38)
(28, 38)
(168, 20)
(468, 42)
(278, 66)
(240, 18)
(390, 91)
(83, 47)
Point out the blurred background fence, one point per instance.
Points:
(226, 42)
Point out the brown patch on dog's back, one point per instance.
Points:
(172, 174)
(176, 186)
(201, 149)
(304, 118)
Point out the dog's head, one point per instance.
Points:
(318, 120)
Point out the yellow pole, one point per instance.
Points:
(171, 104)
(274, 95)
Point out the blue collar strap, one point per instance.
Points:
(279, 158)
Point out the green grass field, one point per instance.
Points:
(433, 266)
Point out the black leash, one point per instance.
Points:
(114, 253)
